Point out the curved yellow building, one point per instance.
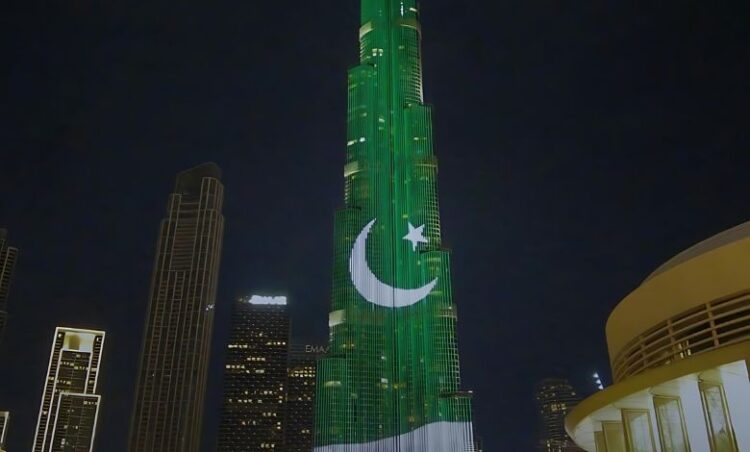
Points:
(679, 347)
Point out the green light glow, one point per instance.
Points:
(390, 370)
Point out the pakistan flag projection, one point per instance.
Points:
(390, 381)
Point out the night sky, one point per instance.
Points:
(581, 144)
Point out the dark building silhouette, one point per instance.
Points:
(300, 397)
(8, 256)
(4, 419)
(70, 403)
(555, 398)
(171, 382)
(255, 376)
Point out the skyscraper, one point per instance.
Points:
(300, 397)
(8, 257)
(555, 398)
(391, 379)
(70, 404)
(171, 383)
(4, 419)
(255, 375)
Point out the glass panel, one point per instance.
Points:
(614, 437)
(638, 430)
(717, 418)
(671, 424)
(601, 445)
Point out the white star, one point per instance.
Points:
(415, 236)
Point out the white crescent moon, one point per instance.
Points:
(374, 290)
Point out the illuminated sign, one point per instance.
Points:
(316, 349)
(262, 300)
(374, 290)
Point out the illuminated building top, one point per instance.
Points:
(265, 300)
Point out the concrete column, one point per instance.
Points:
(692, 408)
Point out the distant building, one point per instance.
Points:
(555, 398)
(4, 419)
(679, 346)
(8, 256)
(478, 444)
(70, 403)
(171, 382)
(255, 376)
(300, 397)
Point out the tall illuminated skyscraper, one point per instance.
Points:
(255, 375)
(171, 384)
(391, 380)
(70, 404)
(8, 257)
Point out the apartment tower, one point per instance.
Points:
(8, 256)
(171, 381)
(70, 403)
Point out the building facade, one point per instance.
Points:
(4, 420)
(8, 256)
(70, 403)
(391, 379)
(300, 397)
(679, 346)
(555, 398)
(255, 376)
(171, 381)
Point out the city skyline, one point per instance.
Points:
(579, 145)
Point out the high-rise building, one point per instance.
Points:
(171, 382)
(679, 346)
(8, 256)
(300, 397)
(4, 419)
(70, 403)
(391, 379)
(555, 398)
(255, 375)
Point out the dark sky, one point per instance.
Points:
(581, 144)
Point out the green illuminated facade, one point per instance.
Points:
(390, 381)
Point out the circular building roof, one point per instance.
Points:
(723, 238)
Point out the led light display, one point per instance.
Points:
(390, 380)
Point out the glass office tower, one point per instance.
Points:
(255, 376)
(390, 381)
